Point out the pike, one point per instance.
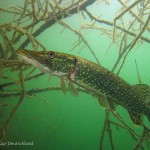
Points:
(110, 88)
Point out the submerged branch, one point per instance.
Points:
(58, 16)
(4, 127)
(141, 32)
(2, 86)
(131, 45)
(139, 78)
(121, 14)
(133, 13)
(145, 135)
(14, 93)
(145, 39)
(104, 130)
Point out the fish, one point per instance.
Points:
(110, 89)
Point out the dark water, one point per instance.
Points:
(54, 121)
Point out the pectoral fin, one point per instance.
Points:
(63, 85)
(72, 89)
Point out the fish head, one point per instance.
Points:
(56, 63)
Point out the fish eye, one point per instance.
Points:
(51, 55)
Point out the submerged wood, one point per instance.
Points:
(47, 14)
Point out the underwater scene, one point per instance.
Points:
(74, 74)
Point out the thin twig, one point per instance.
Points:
(4, 127)
(121, 14)
(138, 73)
(118, 27)
(83, 39)
(133, 13)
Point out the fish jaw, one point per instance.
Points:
(28, 58)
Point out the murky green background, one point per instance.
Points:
(54, 121)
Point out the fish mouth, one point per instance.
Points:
(26, 54)
(23, 55)
(31, 57)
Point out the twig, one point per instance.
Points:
(8, 42)
(138, 72)
(104, 130)
(58, 16)
(119, 58)
(2, 86)
(133, 13)
(122, 121)
(145, 134)
(121, 14)
(81, 36)
(133, 43)
(4, 127)
(118, 27)
(141, 32)
(14, 93)
(110, 135)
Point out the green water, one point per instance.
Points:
(54, 121)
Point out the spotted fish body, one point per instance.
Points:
(95, 79)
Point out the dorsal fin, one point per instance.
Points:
(144, 91)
